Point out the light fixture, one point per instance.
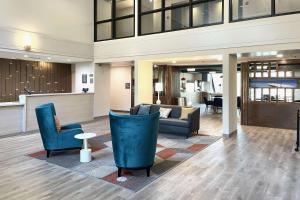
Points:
(49, 58)
(279, 56)
(27, 40)
(158, 88)
(174, 61)
(69, 60)
(219, 57)
(26, 56)
(191, 69)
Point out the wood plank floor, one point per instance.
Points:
(258, 163)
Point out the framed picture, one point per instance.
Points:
(127, 85)
(91, 75)
(84, 78)
(91, 80)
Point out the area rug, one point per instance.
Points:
(171, 151)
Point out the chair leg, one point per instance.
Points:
(48, 153)
(119, 171)
(148, 171)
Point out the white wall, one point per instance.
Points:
(120, 98)
(143, 77)
(110, 92)
(268, 34)
(57, 27)
(77, 71)
(102, 90)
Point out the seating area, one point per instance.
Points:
(134, 136)
(56, 138)
(173, 123)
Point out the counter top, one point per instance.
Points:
(56, 94)
(7, 104)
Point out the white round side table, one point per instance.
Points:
(85, 153)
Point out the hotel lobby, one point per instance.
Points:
(150, 99)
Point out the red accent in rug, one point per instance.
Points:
(37, 154)
(196, 147)
(166, 153)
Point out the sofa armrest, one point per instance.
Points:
(194, 120)
(134, 110)
(70, 126)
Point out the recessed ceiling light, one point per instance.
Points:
(49, 58)
(191, 69)
(25, 56)
(174, 61)
(279, 56)
(69, 60)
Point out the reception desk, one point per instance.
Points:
(70, 107)
(10, 118)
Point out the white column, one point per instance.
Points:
(136, 18)
(143, 85)
(226, 11)
(229, 94)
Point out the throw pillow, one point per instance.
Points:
(185, 112)
(144, 110)
(57, 123)
(165, 112)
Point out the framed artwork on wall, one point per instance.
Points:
(127, 85)
(84, 78)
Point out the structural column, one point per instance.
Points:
(143, 82)
(229, 94)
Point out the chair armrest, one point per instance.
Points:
(194, 120)
(134, 110)
(71, 126)
(70, 133)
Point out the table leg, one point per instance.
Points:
(85, 145)
(85, 153)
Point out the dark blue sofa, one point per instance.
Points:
(134, 140)
(52, 140)
(173, 124)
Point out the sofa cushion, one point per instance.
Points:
(154, 108)
(185, 112)
(165, 112)
(173, 122)
(57, 123)
(144, 110)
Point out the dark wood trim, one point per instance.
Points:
(276, 114)
(38, 77)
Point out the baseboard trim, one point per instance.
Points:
(230, 134)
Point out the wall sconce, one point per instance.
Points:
(27, 42)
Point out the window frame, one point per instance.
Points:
(190, 4)
(113, 21)
(273, 13)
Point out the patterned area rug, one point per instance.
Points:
(170, 152)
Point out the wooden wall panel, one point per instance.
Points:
(38, 77)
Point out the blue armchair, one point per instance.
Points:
(52, 140)
(134, 139)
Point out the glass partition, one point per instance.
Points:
(173, 15)
(114, 19)
(253, 9)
